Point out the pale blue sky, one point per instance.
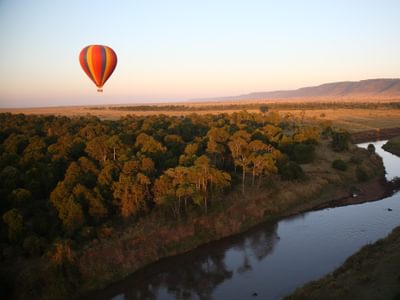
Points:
(175, 50)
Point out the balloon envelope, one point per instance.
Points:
(98, 62)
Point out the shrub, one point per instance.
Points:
(339, 164)
(263, 108)
(371, 148)
(303, 153)
(291, 171)
(340, 140)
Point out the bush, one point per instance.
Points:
(371, 148)
(303, 153)
(339, 164)
(340, 140)
(291, 171)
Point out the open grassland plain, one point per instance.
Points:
(352, 114)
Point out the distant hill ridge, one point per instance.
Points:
(364, 88)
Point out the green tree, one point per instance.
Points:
(94, 202)
(147, 166)
(340, 140)
(15, 143)
(34, 152)
(97, 148)
(263, 109)
(10, 178)
(272, 133)
(216, 146)
(71, 215)
(240, 152)
(165, 194)
(14, 221)
(262, 164)
(181, 187)
(106, 178)
(371, 148)
(147, 144)
(115, 146)
(21, 196)
(131, 190)
(205, 177)
(189, 155)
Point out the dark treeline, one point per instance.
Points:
(255, 106)
(63, 178)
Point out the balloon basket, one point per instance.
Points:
(100, 90)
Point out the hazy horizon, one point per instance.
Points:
(175, 51)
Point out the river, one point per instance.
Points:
(271, 260)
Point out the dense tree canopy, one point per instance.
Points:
(67, 177)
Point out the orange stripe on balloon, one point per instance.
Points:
(89, 59)
(107, 64)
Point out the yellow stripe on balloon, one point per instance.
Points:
(108, 64)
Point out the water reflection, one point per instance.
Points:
(195, 275)
(269, 261)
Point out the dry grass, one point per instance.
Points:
(351, 119)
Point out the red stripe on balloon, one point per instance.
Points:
(97, 64)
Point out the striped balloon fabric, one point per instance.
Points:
(98, 62)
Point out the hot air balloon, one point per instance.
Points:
(98, 62)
